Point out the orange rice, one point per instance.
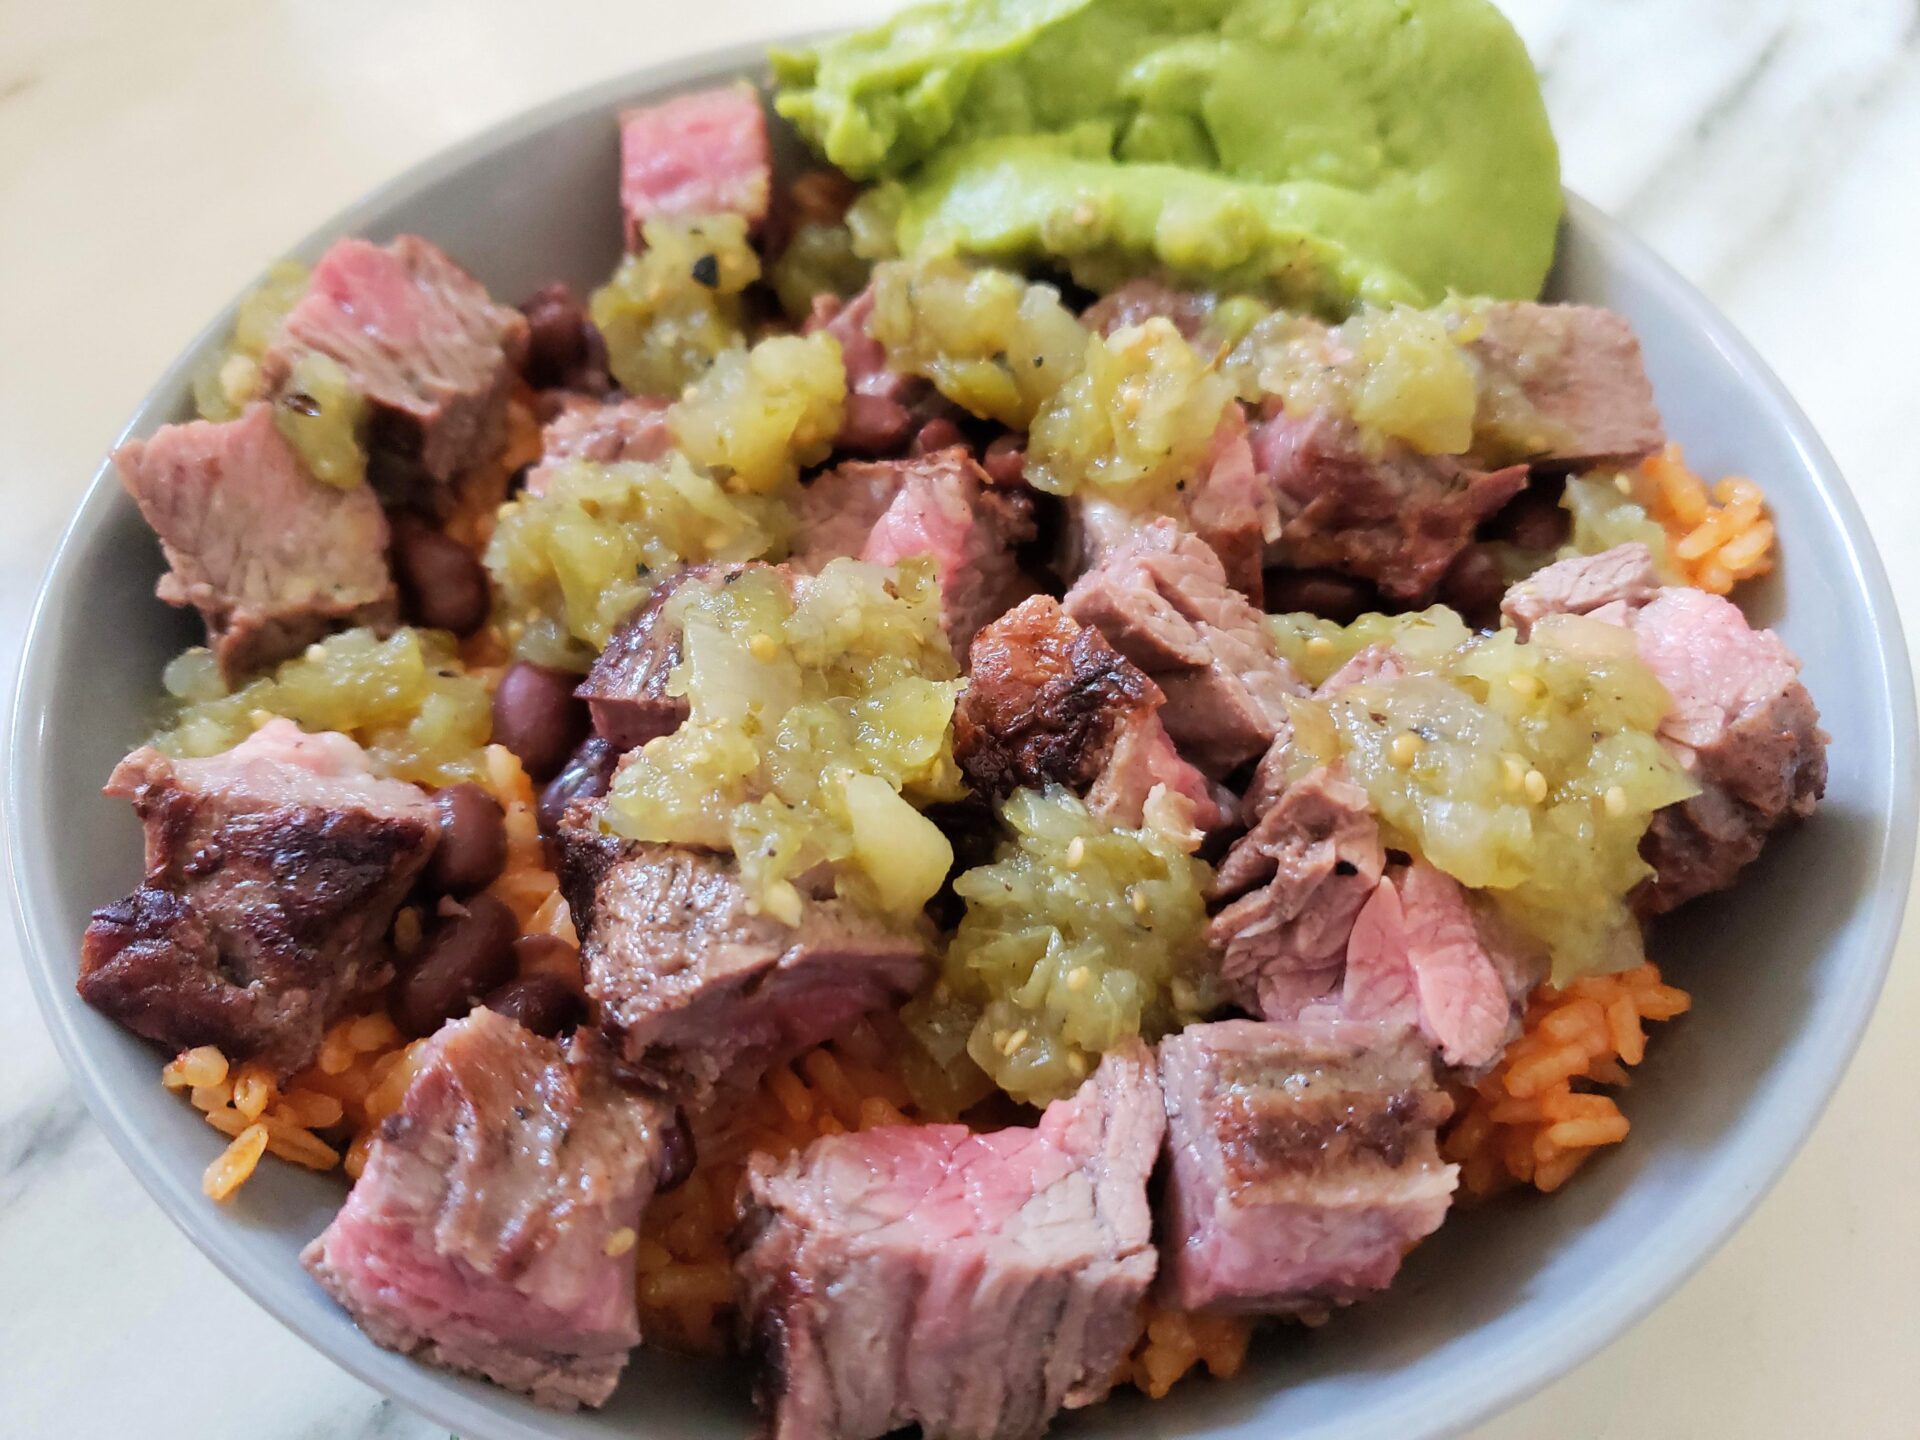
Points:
(1537, 1117)
(1716, 545)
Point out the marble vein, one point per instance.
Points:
(33, 1139)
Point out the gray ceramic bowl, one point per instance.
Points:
(1784, 971)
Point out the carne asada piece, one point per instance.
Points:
(486, 1233)
(1294, 885)
(273, 872)
(626, 689)
(272, 558)
(695, 984)
(1742, 723)
(1383, 512)
(1050, 702)
(1418, 957)
(694, 155)
(878, 417)
(1579, 371)
(1583, 585)
(972, 1284)
(631, 428)
(1162, 599)
(941, 504)
(420, 338)
(1304, 1163)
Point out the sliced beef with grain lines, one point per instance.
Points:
(1293, 886)
(273, 872)
(939, 504)
(695, 155)
(272, 558)
(1162, 599)
(633, 427)
(422, 341)
(1303, 1163)
(971, 1284)
(879, 413)
(696, 985)
(1578, 377)
(1048, 701)
(1624, 576)
(489, 1232)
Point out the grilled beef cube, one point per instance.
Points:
(694, 155)
(1304, 1163)
(271, 558)
(1048, 701)
(1583, 585)
(273, 872)
(972, 1284)
(1742, 723)
(603, 431)
(879, 412)
(1580, 370)
(1162, 600)
(485, 1234)
(695, 984)
(1420, 956)
(1293, 886)
(419, 337)
(626, 689)
(941, 505)
(1385, 513)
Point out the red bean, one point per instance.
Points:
(442, 585)
(587, 774)
(1533, 519)
(937, 434)
(563, 347)
(1006, 459)
(541, 1003)
(543, 954)
(466, 955)
(676, 1153)
(473, 840)
(1340, 598)
(536, 716)
(1473, 585)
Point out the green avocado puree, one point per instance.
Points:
(1325, 151)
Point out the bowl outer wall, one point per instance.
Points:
(1507, 1299)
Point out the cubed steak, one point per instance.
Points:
(694, 155)
(490, 1230)
(626, 688)
(1579, 370)
(632, 428)
(1048, 701)
(1293, 887)
(272, 558)
(939, 504)
(695, 983)
(1746, 729)
(273, 872)
(421, 339)
(1419, 956)
(970, 1284)
(878, 416)
(1162, 599)
(1742, 723)
(1303, 1163)
(1378, 510)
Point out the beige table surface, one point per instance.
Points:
(153, 153)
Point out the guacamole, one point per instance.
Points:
(1327, 152)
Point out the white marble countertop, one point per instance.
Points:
(152, 156)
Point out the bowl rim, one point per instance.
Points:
(1701, 1222)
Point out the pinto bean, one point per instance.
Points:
(473, 840)
(443, 586)
(551, 956)
(536, 716)
(1005, 460)
(937, 434)
(586, 775)
(676, 1153)
(541, 1003)
(467, 954)
(1340, 598)
(1533, 519)
(1474, 585)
